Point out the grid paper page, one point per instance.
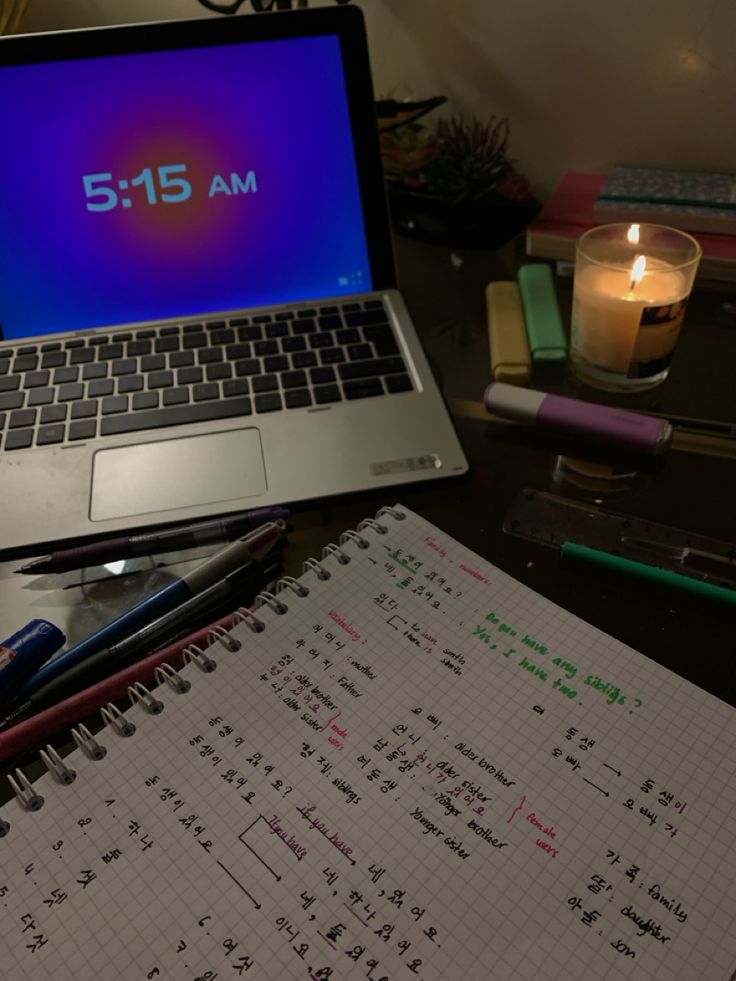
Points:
(421, 770)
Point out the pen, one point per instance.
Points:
(576, 417)
(191, 615)
(255, 545)
(23, 654)
(42, 726)
(648, 573)
(168, 540)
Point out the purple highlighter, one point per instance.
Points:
(604, 423)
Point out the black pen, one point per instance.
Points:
(190, 616)
(168, 540)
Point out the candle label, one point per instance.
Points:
(659, 328)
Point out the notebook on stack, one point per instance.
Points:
(198, 297)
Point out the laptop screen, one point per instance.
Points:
(171, 183)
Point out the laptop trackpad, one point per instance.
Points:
(214, 468)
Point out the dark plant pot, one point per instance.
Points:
(477, 226)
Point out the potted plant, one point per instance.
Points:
(454, 183)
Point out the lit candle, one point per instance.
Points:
(627, 314)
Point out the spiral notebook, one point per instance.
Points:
(413, 767)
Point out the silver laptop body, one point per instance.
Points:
(187, 333)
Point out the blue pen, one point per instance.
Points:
(23, 654)
(255, 546)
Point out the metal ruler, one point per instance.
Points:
(552, 520)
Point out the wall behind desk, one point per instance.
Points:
(586, 84)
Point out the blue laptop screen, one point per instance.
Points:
(176, 183)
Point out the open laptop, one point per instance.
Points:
(197, 291)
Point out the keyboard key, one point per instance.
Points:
(348, 336)
(277, 330)
(209, 390)
(293, 379)
(319, 376)
(235, 351)
(162, 344)
(124, 366)
(358, 352)
(235, 386)
(54, 413)
(362, 317)
(332, 355)
(262, 318)
(376, 366)
(50, 434)
(330, 322)
(321, 340)
(189, 376)
(277, 362)
(74, 342)
(222, 337)
(176, 415)
(19, 439)
(252, 333)
(250, 367)
(84, 429)
(176, 396)
(326, 393)
(210, 355)
(36, 379)
(190, 341)
(10, 383)
(21, 418)
(145, 400)
(51, 346)
(193, 328)
(382, 338)
(72, 392)
(131, 383)
(37, 396)
(80, 410)
(181, 359)
(137, 348)
(153, 362)
(100, 388)
(297, 398)
(63, 375)
(114, 403)
(82, 355)
(96, 370)
(304, 327)
(265, 383)
(306, 313)
(53, 359)
(217, 372)
(165, 379)
(398, 383)
(262, 348)
(267, 403)
(304, 359)
(289, 344)
(362, 388)
(14, 400)
(25, 362)
(106, 352)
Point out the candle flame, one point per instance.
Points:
(633, 234)
(638, 270)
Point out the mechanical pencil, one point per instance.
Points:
(191, 615)
(23, 654)
(575, 417)
(255, 545)
(167, 540)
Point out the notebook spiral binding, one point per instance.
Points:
(115, 720)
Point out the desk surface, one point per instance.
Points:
(690, 490)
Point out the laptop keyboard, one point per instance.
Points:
(176, 373)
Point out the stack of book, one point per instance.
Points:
(582, 201)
